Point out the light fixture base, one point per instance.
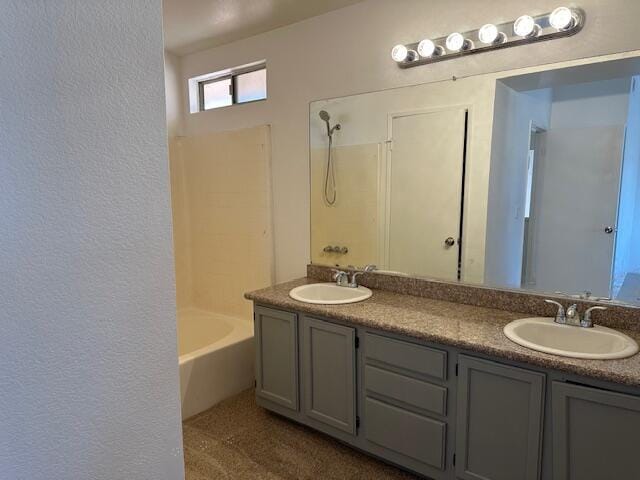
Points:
(542, 31)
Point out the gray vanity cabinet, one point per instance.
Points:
(437, 411)
(595, 433)
(405, 403)
(328, 373)
(276, 334)
(499, 424)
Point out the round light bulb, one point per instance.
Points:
(426, 48)
(455, 42)
(399, 53)
(525, 26)
(561, 18)
(488, 33)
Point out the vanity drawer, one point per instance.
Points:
(410, 357)
(405, 391)
(406, 433)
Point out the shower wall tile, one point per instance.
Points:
(226, 204)
(181, 228)
(353, 221)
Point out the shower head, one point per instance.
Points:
(324, 115)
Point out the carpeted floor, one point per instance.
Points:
(236, 439)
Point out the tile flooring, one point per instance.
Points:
(236, 439)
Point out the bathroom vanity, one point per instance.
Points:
(436, 388)
(464, 182)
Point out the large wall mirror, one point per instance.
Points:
(527, 179)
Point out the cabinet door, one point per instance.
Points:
(595, 433)
(499, 427)
(276, 335)
(328, 372)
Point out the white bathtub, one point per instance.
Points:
(216, 355)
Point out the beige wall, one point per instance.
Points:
(173, 82)
(222, 218)
(346, 52)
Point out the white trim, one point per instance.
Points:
(384, 189)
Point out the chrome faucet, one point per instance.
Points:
(572, 316)
(336, 249)
(561, 317)
(586, 320)
(354, 279)
(354, 276)
(586, 295)
(341, 278)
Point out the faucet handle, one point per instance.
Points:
(341, 277)
(354, 278)
(586, 320)
(337, 273)
(561, 316)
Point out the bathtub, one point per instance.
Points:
(216, 356)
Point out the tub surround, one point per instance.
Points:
(220, 196)
(223, 247)
(469, 327)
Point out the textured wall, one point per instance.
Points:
(346, 52)
(88, 364)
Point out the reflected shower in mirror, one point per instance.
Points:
(524, 180)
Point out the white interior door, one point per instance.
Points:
(577, 185)
(425, 191)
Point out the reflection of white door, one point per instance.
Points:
(577, 185)
(424, 192)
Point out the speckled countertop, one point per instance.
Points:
(467, 327)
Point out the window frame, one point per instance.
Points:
(202, 84)
(232, 86)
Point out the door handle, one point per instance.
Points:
(609, 230)
(450, 242)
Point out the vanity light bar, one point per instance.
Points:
(562, 22)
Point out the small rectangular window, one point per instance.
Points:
(216, 93)
(228, 87)
(251, 86)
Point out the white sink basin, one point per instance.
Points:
(544, 335)
(329, 294)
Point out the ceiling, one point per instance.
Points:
(192, 25)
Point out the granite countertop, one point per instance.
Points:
(467, 327)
